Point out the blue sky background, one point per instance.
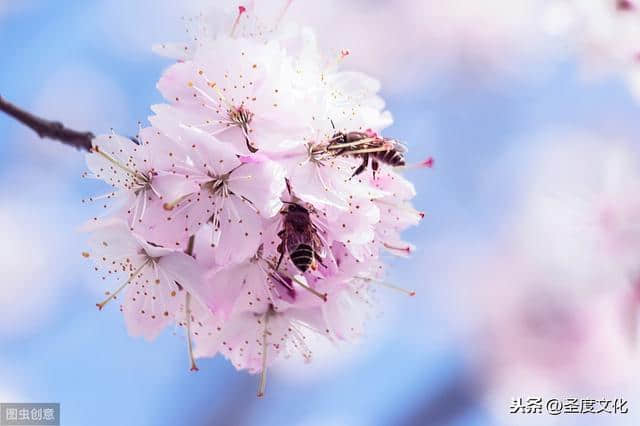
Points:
(54, 61)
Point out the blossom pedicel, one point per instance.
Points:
(255, 209)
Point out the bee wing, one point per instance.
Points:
(318, 245)
(397, 145)
(358, 136)
(293, 239)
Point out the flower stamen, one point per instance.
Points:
(115, 293)
(349, 144)
(241, 11)
(369, 150)
(313, 291)
(171, 205)
(404, 249)
(187, 304)
(263, 374)
(427, 163)
(389, 285)
(133, 173)
(283, 12)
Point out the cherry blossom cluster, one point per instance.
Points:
(254, 211)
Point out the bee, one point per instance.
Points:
(368, 145)
(299, 238)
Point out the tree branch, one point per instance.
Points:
(48, 129)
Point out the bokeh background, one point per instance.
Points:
(526, 264)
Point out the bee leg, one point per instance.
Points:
(281, 251)
(319, 259)
(374, 167)
(286, 180)
(337, 138)
(362, 167)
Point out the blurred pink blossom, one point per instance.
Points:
(604, 33)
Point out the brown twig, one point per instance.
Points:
(48, 129)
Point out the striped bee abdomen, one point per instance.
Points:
(302, 257)
(391, 157)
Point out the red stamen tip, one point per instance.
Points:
(193, 367)
(241, 10)
(99, 306)
(412, 293)
(428, 162)
(421, 215)
(344, 52)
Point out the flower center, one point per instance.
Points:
(240, 116)
(142, 182)
(218, 185)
